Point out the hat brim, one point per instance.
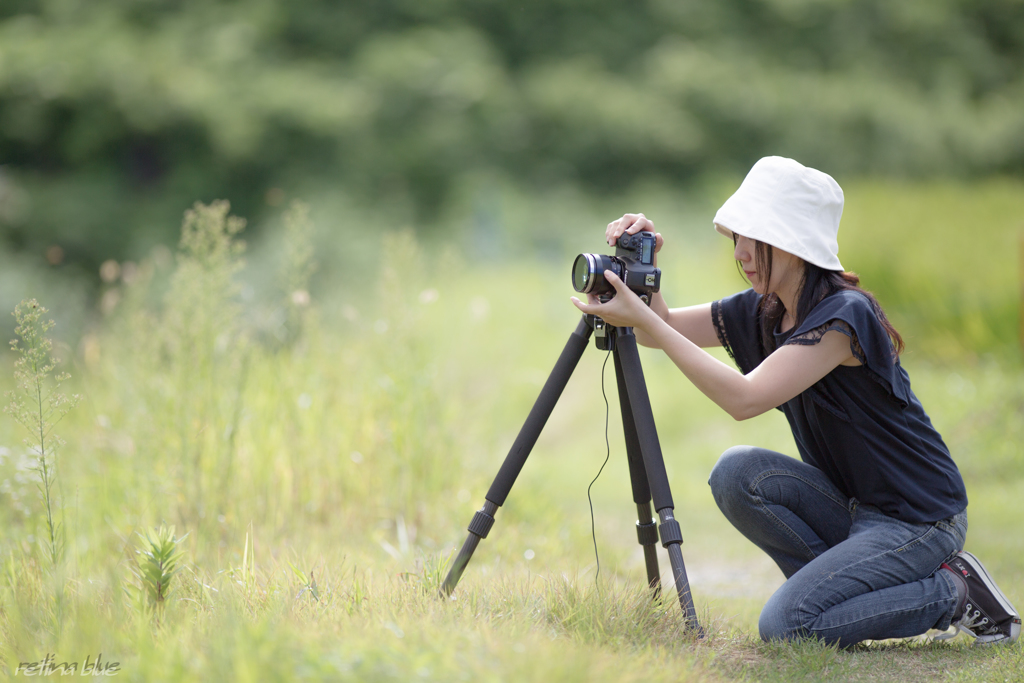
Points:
(731, 234)
(723, 230)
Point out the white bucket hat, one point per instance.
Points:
(785, 204)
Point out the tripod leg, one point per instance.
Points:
(646, 529)
(647, 434)
(516, 458)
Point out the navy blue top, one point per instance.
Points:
(862, 426)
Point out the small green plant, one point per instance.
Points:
(432, 570)
(158, 561)
(308, 585)
(38, 405)
(254, 593)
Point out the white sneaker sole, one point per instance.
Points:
(999, 639)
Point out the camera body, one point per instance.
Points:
(633, 263)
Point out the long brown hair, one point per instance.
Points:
(817, 284)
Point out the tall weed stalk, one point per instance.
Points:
(38, 405)
(205, 350)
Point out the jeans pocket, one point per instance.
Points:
(926, 536)
(955, 526)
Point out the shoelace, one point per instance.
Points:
(970, 624)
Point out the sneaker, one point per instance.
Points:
(983, 612)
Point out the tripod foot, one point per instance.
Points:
(672, 540)
(478, 529)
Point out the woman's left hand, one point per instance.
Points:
(624, 310)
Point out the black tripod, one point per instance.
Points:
(646, 466)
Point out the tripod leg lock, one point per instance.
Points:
(647, 534)
(670, 533)
(481, 524)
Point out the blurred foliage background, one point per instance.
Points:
(117, 115)
(512, 129)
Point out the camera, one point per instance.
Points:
(633, 263)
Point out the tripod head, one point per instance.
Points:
(604, 334)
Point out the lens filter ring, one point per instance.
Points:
(584, 271)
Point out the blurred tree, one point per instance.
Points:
(116, 115)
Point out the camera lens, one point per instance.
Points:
(588, 273)
(582, 272)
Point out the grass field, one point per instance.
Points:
(320, 458)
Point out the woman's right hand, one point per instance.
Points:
(632, 223)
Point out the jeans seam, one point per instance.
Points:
(814, 588)
(916, 541)
(771, 473)
(785, 528)
(872, 616)
(752, 490)
(956, 595)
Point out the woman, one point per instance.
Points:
(869, 526)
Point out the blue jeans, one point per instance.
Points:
(852, 572)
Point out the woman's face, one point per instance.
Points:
(784, 267)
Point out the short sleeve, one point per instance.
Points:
(735, 321)
(851, 313)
